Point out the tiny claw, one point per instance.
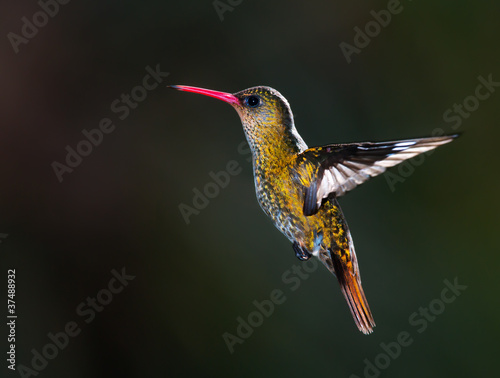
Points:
(301, 253)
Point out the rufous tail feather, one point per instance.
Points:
(350, 284)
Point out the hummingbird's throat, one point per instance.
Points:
(273, 144)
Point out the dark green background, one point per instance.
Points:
(119, 208)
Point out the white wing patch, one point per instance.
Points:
(369, 160)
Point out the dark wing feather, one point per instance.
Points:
(343, 167)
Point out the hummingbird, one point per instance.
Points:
(298, 187)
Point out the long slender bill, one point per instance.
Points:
(226, 97)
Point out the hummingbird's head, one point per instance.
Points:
(265, 114)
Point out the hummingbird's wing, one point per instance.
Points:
(339, 168)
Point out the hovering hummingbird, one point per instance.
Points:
(298, 187)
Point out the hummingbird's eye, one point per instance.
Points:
(252, 101)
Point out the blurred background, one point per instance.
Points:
(120, 206)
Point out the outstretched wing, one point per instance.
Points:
(339, 168)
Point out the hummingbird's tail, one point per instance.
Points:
(345, 268)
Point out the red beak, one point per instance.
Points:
(226, 97)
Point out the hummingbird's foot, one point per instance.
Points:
(301, 253)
